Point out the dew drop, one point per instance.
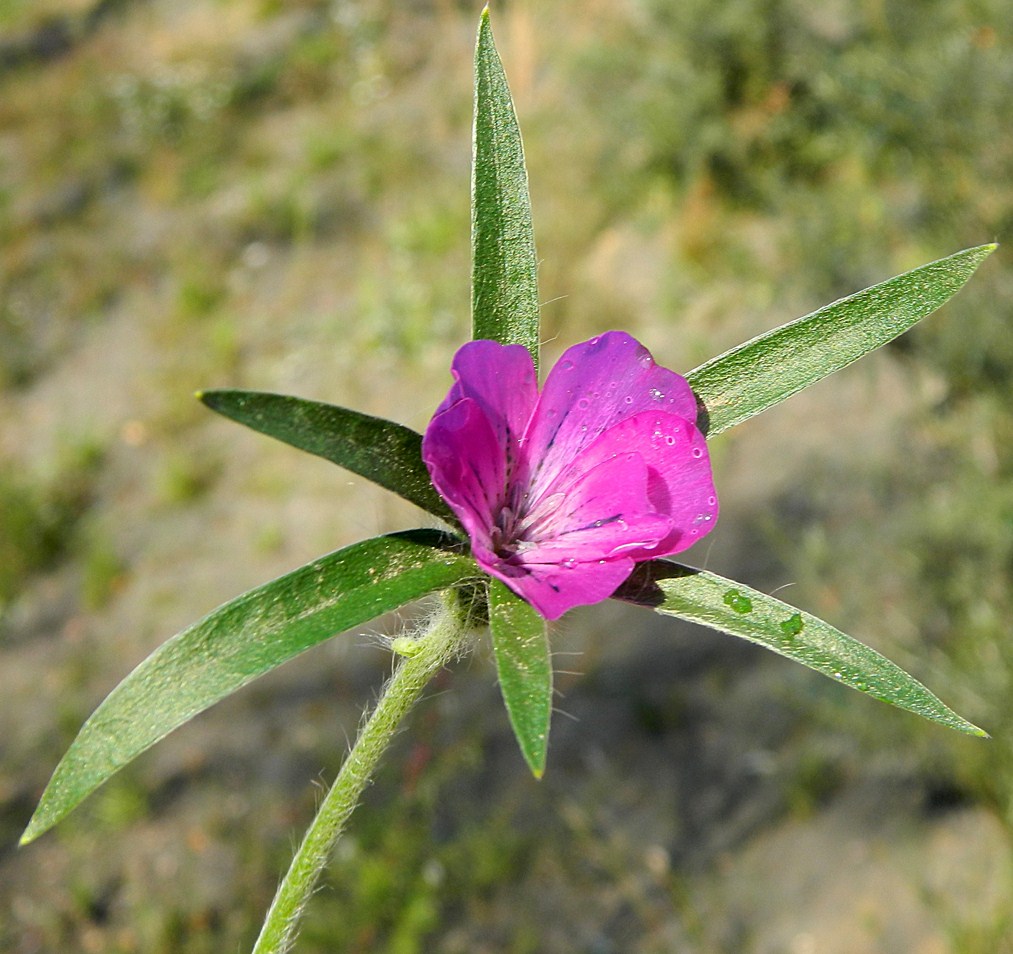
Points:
(594, 340)
(670, 440)
(628, 399)
(711, 501)
(697, 453)
(566, 365)
(583, 404)
(657, 395)
(570, 564)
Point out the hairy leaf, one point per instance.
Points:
(730, 607)
(244, 639)
(389, 454)
(764, 371)
(521, 647)
(504, 283)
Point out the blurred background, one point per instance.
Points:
(275, 195)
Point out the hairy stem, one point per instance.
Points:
(439, 644)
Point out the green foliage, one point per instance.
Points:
(504, 285)
(800, 152)
(103, 570)
(398, 878)
(382, 451)
(183, 479)
(39, 516)
(240, 641)
(31, 534)
(763, 372)
(702, 597)
(524, 666)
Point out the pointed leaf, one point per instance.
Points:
(521, 646)
(764, 371)
(242, 640)
(504, 285)
(382, 451)
(730, 607)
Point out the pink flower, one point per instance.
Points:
(563, 492)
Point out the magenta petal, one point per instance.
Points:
(467, 464)
(605, 512)
(562, 493)
(552, 589)
(501, 380)
(679, 479)
(574, 546)
(592, 387)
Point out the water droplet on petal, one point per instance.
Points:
(583, 404)
(657, 395)
(628, 399)
(594, 340)
(697, 452)
(570, 564)
(711, 501)
(670, 440)
(566, 365)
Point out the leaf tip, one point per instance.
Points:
(33, 831)
(208, 399)
(983, 251)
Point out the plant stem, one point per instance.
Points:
(442, 641)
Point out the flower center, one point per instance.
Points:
(517, 528)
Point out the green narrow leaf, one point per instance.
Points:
(764, 371)
(730, 607)
(521, 646)
(386, 453)
(504, 278)
(242, 640)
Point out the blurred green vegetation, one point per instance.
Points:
(251, 178)
(40, 515)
